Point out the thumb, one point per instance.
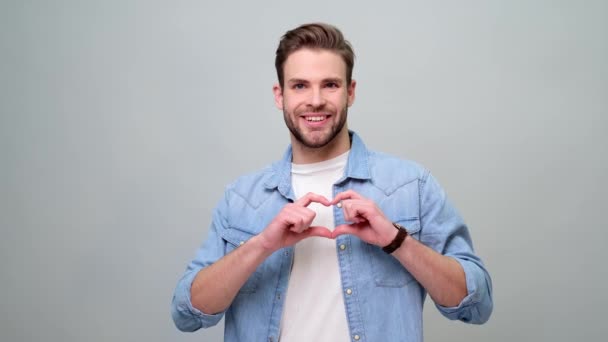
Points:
(345, 229)
(317, 231)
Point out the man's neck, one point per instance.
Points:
(306, 155)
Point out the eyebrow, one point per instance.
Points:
(325, 80)
(334, 80)
(296, 80)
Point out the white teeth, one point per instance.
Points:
(315, 118)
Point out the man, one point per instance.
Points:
(334, 242)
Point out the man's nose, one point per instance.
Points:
(316, 98)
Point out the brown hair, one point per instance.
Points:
(314, 36)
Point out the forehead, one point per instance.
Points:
(313, 64)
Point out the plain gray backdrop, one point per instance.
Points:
(122, 121)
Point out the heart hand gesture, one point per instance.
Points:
(368, 222)
(292, 224)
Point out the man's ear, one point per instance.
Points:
(351, 92)
(278, 96)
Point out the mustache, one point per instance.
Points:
(323, 109)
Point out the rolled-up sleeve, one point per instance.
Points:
(444, 230)
(477, 306)
(185, 316)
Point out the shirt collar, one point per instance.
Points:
(357, 167)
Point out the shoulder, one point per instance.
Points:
(251, 187)
(386, 171)
(390, 172)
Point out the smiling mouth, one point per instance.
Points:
(316, 118)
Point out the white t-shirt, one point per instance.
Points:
(314, 304)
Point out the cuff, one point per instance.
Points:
(463, 310)
(186, 316)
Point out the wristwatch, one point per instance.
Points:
(397, 241)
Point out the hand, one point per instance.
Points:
(369, 223)
(292, 224)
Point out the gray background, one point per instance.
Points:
(121, 122)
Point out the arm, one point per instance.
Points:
(444, 231)
(441, 276)
(215, 287)
(443, 261)
(210, 286)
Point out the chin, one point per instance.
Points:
(317, 142)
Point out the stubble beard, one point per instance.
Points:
(302, 139)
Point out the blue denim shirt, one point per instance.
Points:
(385, 301)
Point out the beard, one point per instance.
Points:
(311, 142)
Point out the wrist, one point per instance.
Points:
(397, 241)
(262, 245)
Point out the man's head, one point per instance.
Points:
(315, 89)
(316, 36)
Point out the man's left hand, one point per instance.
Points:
(369, 223)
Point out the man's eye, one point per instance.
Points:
(331, 85)
(298, 86)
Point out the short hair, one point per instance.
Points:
(314, 36)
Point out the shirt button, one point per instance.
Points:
(342, 247)
(356, 337)
(241, 243)
(349, 291)
(339, 205)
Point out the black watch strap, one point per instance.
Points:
(397, 241)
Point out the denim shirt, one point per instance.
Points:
(383, 301)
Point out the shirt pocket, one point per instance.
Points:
(386, 270)
(234, 238)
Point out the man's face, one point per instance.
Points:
(315, 97)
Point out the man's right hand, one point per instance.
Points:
(215, 286)
(292, 224)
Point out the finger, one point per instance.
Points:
(355, 211)
(310, 197)
(344, 229)
(298, 223)
(317, 231)
(291, 217)
(348, 194)
(300, 218)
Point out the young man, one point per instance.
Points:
(334, 242)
